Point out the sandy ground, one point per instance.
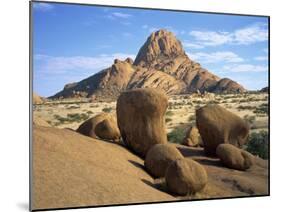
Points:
(181, 109)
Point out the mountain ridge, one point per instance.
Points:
(160, 63)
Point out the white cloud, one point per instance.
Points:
(121, 15)
(44, 7)
(189, 45)
(245, 68)
(244, 36)
(261, 58)
(251, 34)
(209, 38)
(215, 57)
(60, 65)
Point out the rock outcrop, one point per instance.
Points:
(264, 90)
(192, 137)
(234, 157)
(217, 125)
(106, 130)
(226, 85)
(159, 46)
(186, 176)
(108, 82)
(159, 157)
(140, 117)
(160, 63)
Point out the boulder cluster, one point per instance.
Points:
(217, 125)
(141, 126)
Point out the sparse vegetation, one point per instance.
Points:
(249, 119)
(168, 120)
(192, 118)
(107, 109)
(177, 135)
(71, 117)
(262, 109)
(94, 106)
(169, 113)
(258, 144)
(246, 107)
(73, 107)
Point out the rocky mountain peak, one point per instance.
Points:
(161, 44)
(160, 63)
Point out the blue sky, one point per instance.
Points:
(72, 42)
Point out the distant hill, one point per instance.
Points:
(264, 90)
(160, 63)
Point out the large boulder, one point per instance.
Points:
(140, 117)
(107, 130)
(235, 158)
(159, 157)
(185, 176)
(216, 125)
(192, 137)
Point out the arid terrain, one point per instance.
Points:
(70, 113)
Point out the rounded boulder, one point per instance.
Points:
(192, 137)
(107, 129)
(140, 117)
(159, 157)
(235, 158)
(88, 127)
(185, 176)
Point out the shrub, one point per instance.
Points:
(77, 117)
(197, 102)
(71, 117)
(169, 113)
(176, 135)
(246, 107)
(192, 118)
(107, 109)
(262, 109)
(168, 120)
(73, 107)
(258, 144)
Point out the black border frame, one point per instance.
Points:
(128, 7)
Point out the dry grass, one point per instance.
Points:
(181, 110)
